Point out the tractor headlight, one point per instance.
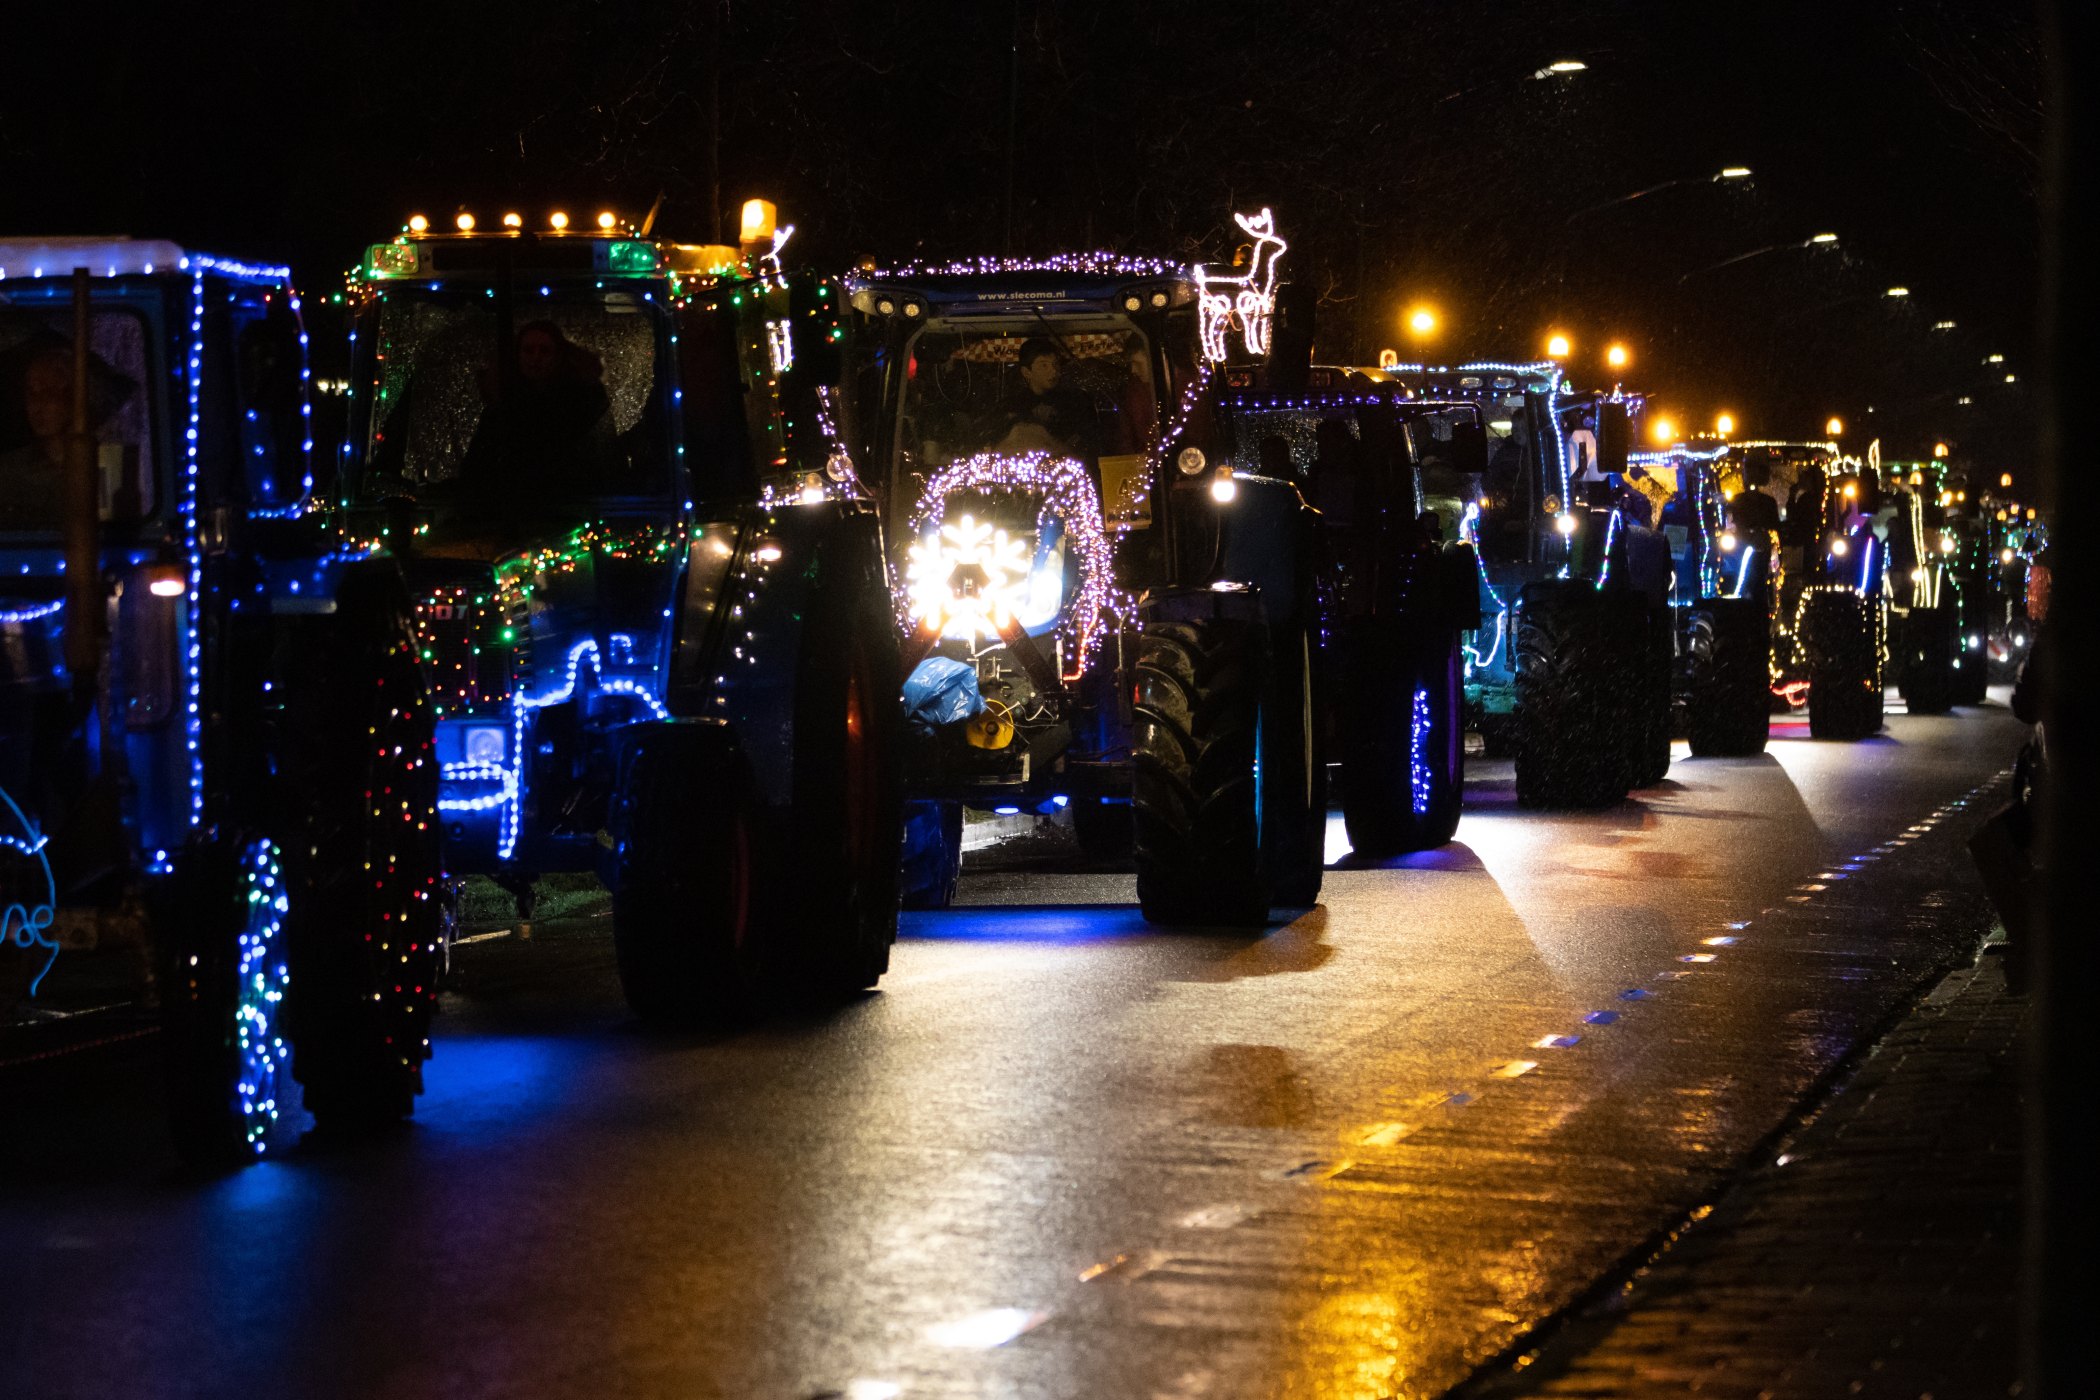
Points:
(485, 744)
(1728, 541)
(972, 579)
(1191, 461)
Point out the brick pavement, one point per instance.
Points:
(1876, 1253)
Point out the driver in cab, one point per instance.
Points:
(1038, 414)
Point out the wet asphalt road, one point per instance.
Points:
(1059, 1154)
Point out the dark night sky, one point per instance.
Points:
(1406, 148)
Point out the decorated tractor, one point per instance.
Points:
(1095, 473)
(217, 747)
(650, 595)
(1569, 669)
(1722, 521)
(1933, 610)
(1835, 602)
(1395, 589)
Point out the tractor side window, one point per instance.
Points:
(269, 365)
(1507, 487)
(711, 404)
(36, 415)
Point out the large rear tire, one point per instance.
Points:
(1578, 656)
(1926, 679)
(361, 861)
(1402, 734)
(834, 910)
(1648, 757)
(1728, 692)
(685, 875)
(1294, 774)
(1842, 637)
(1196, 794)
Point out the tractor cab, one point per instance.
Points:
(193, 674)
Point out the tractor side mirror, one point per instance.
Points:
(1291, 337)
(819, 357)
(1614, 438)
(1469, 447)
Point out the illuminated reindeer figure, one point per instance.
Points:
(1250, 294)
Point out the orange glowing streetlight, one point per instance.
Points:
(1618, 356)
(1422, 322)
(1558, 346)
(1724, 424)
(1835, 427)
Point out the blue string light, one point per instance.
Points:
(522, 707)
(1418, 753)
(27, 925)
(193, 719)
(261, 1054)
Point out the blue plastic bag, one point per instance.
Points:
(939, 692)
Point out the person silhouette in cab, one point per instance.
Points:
(1039, 414)
(32, 473)
(541, 437)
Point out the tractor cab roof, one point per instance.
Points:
(1471, 377)
(31, 258)
(432, 257)
(1091, 283)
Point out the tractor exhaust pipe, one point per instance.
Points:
(82, 501)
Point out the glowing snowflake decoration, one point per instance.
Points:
(969, 577)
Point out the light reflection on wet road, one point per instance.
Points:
(1060, 1154)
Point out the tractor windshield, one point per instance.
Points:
(1088, 394)
(36, 413)
(525, 406)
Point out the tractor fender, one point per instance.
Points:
(1267, 544)
(753, 585)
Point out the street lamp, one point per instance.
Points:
(1835, 427)
(1422, 322)
(1899, 291)
(1663, 431)
(1618, 356)
(1725, 424)
(1561, 68)
(1939, 449)
(1811, 241)
(1557, 346)
(1727, 172)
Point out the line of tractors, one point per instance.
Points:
(735, 584)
